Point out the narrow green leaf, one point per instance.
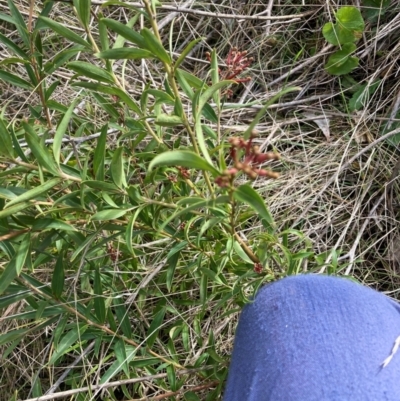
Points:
(44, 224)
(242, 254)
(19, 23)
(186, 51)
(91, 71)
(120, 353)
(110, 91)
(12, 335)
(57, 281)
(117, 366)
(182, 158)
(155, 327)
(64, 31)
(60, 132)
(193, 204)
(13, 46)
(103, 186)
(123, 317)
(83, 10)
(6, 147)
(171, 377)
(13, 210)
(109, 214)
(99, 303)
(42, 156)
(117, 168)
(15, 80)
(166, 120)
(215, 77)
(35, 192)
(10, 299)
(99, 154)
(172, 262)
(66, 342)
(124, 53)
(61, 58)
(201, 141)
(126, 32)
(154, 45)
(245, 193)
(207, 94)
(14, 267)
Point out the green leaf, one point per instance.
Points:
(99, 303)
(66, 342)
(166, 120)
(60, 132)
(83, 10)
(120, 353)
(15, 80)
(117, 168)
(10, 299)
(348, 28)
(155, 327)
(57, 281)
(63, 31)
(362, 96)
(13, 46)
(126, 32)
(186, 51)
(44, 224)
(91, 71)
(6, 147)
(182, 158)
(109, 214)
(172, 262)
(103, 186)
(201, 141)
(245, 193)
(194, 203)
(61, 58)
(42, 156)
(154, 45)
(19, 23)
(191, 396)
(241, 253)
(99, 154)
(35, 192)
(116, 367)
(341, 62)
(13, 210)
(110, 91)
(14, 267)
(123, 317)
(124, 53)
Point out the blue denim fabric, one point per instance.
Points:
(316, 338)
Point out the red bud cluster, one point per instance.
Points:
(249, 165)
(236, 62)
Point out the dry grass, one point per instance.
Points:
(339, 187)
